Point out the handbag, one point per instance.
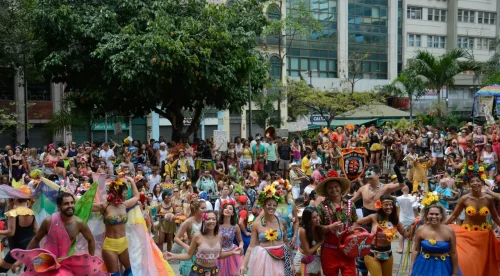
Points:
(357, 243)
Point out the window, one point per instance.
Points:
(465, 42)
(466, 16)
(436, 41)
(414, 40)
(483, 44)
(413, 13)
(486, 18)
(436, 15)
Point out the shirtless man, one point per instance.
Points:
(73, 226)
(373, 190)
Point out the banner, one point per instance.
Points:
(482, 104)
(497, 105)
(353, 163)
(220, 139)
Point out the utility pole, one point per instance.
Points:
(26, 134)
(250, 105)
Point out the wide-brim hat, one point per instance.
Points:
(333, 176)
(293, 164)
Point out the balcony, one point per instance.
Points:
(461, 104)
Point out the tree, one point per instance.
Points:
(408, 84)
(20, 50)
(167, 56)
(303, 99)
(69, 118)
(355, 69)
(283, 30)
(265, 116)
(440, 71)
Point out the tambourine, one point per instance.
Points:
(357, 243)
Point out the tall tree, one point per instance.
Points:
(304, 100)
(441, 71)
(20, 50)
(408, 84)
(167, 56)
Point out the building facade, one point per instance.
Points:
(442, 25)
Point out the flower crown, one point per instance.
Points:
(84, 187)
(286, 184)
(114, 185)
(35, 173)
(229, 201)
(429, 199)
(138, 178)
(470, 170)
(270, 192)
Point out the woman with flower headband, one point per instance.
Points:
(205, 248)
(191, 227)
(229, 229)
(114, 212)
(434, 248)
(380, 259)
(287, 210)
(475, 238)
(268, 250)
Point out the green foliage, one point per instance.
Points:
(492, 78)
(407, 84)
(429, 119)
(402, 124)
(440, 71)
(266, 116)
(132, 57)
(303, 99)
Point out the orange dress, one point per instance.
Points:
(478, 249)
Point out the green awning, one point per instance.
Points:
(343, 122)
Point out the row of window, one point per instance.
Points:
(479, 43)
(439, 15)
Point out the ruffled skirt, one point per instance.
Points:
(231, 265)
(262, 263)
(434, 265)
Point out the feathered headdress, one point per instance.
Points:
(112, 188)
(471, 169)
(270, 192)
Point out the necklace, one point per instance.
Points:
(263, 221)
(374, 191)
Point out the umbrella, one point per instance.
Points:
(7, 191)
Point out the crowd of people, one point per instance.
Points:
(280, 204)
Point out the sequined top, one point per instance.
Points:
(206, 254)
(227, 237)
(115, 220)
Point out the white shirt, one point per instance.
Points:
(107, 155)
(163, 155)
(153, 180)
(219, 201)
(406, 215)
(209, 205)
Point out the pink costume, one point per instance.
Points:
(54, 260)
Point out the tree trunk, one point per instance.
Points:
(176, 118)
(438, 92)
(195, 123)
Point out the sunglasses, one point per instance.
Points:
(176, 191)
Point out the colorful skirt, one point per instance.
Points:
(198, 270)
(480, 246)
(376, 147)
(167, 226)
(230, 266)
(271, 258)
(185, 266)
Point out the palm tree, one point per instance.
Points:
(440, 71)
(408, 84)
(71, 119)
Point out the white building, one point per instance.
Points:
(442, 25)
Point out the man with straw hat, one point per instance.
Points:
(336, 215)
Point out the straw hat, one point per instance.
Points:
(333, 176)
